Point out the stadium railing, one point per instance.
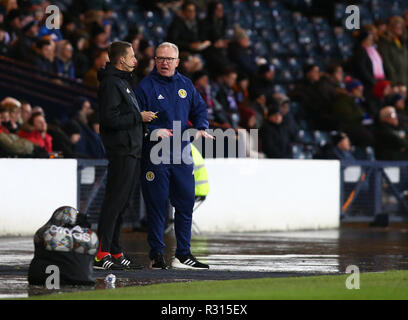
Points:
(56, 94)
(370, 189)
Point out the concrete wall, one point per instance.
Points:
(266, 195)
(245, 195)
(30, 191)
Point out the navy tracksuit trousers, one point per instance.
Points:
(160, 183)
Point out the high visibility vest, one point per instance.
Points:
(200, 173)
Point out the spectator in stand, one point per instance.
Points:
(289, 120)
(80, 59)
(391, 144)
(259, 100)
(100, 60)
(4, 39)
(94, 123)
(339, 148)
(183, 30)
(226, 97)
(26, 110)
(382, 90)
(397, 101)
(332, 84)
(382, 27)
(405, 17)
(189, 64)
(241, 90)
(264, 79)
(12, 145)
(393, 47)
(35, 130)
(38, 109)
(44, 57)
(144, 67)
(213, 28)
(69, 29)
(63, 60)
(367, 62)
(352, 113)
(240, 52)
(14, 109)
(316, 109)
(13, 25)
(134, 39)
(371, 28)
(275, 137)
(9, 5)
(146, 49)
(400, 89)
(98, 40)
(248, 122)
(23, 48)
(64, 139)
(217, 117)
(4, 117)
(90, 144)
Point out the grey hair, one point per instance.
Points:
(169, 45)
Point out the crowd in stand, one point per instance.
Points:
(361, 100)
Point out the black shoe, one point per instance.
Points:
(188, 262)
(158, 262)
(127, 263)
(107, 263)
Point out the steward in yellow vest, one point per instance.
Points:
(200, 174)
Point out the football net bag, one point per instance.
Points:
(65, 242)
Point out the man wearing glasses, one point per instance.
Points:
(175, 101)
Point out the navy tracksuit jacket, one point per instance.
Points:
(174, 99)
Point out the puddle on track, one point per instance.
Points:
(273, 253)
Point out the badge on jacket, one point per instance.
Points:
(182, 93)
(149, 176)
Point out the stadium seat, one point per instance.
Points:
(321, 137)
(306, 137)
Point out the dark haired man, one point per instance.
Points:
(121, 132)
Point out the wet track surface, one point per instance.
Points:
(234, 256)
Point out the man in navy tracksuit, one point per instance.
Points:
(175, 101)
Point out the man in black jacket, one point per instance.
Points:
(183, 30)
(391, 143)
(275, 136)
(122, 133)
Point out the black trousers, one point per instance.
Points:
(123, 177)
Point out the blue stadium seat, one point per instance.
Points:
(306, 137)
(280, 88)
(322, 137)
(297, 151)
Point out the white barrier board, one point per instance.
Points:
(270, 195)
(30, 191)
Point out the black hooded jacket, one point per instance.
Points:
(120, 119)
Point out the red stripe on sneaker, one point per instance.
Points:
(101, 254)
(117, 256)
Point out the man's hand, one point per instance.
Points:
(204, 134)
(163, 133)
(148, 116)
